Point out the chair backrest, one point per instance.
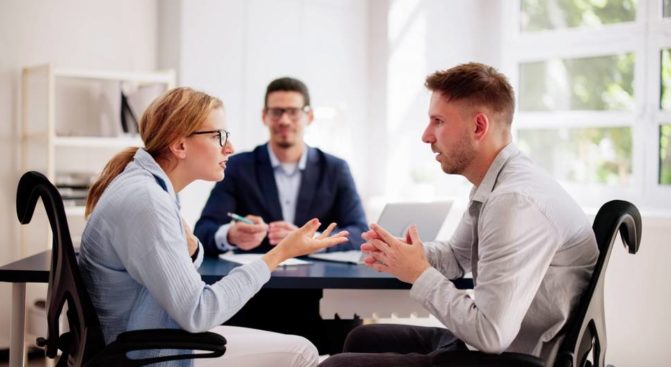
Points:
(85, 338)
(587, 328)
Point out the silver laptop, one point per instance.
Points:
(397, 218)
(429, 218)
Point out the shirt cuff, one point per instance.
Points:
(221, 238)
(425, 284)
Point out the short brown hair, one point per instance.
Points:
(475, 83)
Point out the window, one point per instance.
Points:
(593, 82)
(665, 154)
(537, 15)
(588, 83)
(582, 155)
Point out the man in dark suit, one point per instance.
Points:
(283, 183)
(277, 187)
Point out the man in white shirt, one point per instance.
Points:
(529, 246)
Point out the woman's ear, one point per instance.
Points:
(178, 148)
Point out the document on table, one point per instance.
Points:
(351, 256)
(247, 258)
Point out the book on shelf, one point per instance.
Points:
(74, 187)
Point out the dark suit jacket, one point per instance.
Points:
(327, 192)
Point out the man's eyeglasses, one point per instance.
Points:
(294, 113)
(222, 134)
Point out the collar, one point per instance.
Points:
(145, 161)
(275, 162)
(481, 193)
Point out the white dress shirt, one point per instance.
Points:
(531, 250)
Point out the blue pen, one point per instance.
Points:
(239, 218)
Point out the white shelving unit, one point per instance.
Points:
(70, 125)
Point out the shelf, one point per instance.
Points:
(75, 211)
(145, 78)
(100, 142)
(162, 77)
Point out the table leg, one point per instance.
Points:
(17, 350)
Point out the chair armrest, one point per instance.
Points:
(475, 358)
(114, 354)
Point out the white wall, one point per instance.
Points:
(109, 35)
(638, 300)
(233, 49)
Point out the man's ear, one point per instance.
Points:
(264, 114)
(178, 148)
(310, 116)
(481, 125)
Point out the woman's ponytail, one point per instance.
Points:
(112, 169)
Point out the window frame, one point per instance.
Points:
(646, 36)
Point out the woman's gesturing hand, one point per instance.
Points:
(302, 241)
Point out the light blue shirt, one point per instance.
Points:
(288, 181)
(136, 266)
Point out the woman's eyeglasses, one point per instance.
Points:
(223, 135)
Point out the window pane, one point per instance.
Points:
(591, 155)
(536, 15)
(665, 154)
(665, 73)
(591, 83)
(667, 8)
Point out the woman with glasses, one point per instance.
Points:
(139, 258)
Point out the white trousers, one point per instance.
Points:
(247, 347)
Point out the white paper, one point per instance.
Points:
(351, 256)
(247, 258)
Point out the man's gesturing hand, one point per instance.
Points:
(403, 259)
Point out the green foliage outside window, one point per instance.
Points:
(665, 155)
(591, 83)
(538, 15)
(665, 98)
(588, 155)
(665, 104)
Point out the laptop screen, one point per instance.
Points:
(429, 218)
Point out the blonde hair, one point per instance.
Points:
(175, 114)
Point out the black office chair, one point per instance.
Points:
(586, 330)
(84, 344)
